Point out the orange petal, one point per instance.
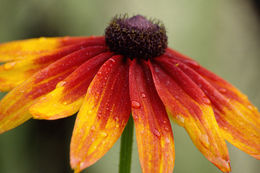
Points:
(189, 106)
(153, 129)
(67, 98)
(32, 47)
(238, 119)
(14, 106)
(17, 71)
(103, 115)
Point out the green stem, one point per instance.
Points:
(126, 148)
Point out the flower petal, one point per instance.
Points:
(153, 129)
(14, 106)
(103, 115)
(67, 98)
(15, 72)
(32, 47)
(238, 119)
(189, 106)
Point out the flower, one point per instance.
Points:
(130, 69)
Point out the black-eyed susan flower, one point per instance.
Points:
(130, 69)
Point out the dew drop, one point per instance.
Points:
(99, 115)
(167, 140)
(180, 118)
(90, 111)
(143, 95)
(61, 83)
(250, 107)
(104, 134)
(65, 103)
(99, 73)
(206, 100)
(93, 128)
(9, 65)
(21, 91)
(222, 90)
(205, 140)
(135, 116)
(135, 104)
(166, 128)
(164, 121)
(116, 119)
(156, 133)
(112, 59)
(81, 164)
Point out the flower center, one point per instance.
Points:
(136, 37)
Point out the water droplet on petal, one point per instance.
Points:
(116, 119)
(135, 117)
(251, 107)
(135, 104)
(143, 95)
(99, 115)
(81, 164)
(9, 65)
(206, 100)
(166, 128)
(167, 140)
(99, 73)
(90, 111)
(112, 59)
(93, 128)
(104, 134)
(156, 132)
(222, 90)
(180, 118)
(164, 121)
(205, 140)
(61, 83)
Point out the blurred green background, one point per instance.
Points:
(223, 35)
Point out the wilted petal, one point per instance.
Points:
(67, 98)
(189, 106)
(153, 129)
(14, 72)
(14, 106)
(103, 115)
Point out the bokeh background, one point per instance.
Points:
(223, 35)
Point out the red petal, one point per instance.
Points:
(153, 129)
(103, 115)
(14, 106)
(190, 108)
(67, 98)
(237, 117)
(39, 46)
(15, 72)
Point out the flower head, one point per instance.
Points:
(130, 69)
